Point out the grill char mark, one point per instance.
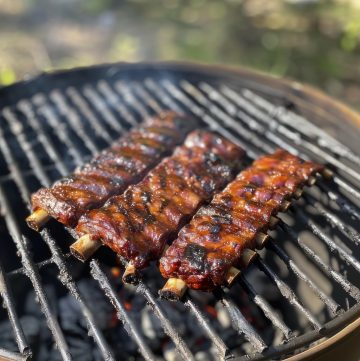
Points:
(229, 224)
(113, 170)
(165, 199)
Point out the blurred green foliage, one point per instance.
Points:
(312, 41)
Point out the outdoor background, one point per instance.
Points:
(317, 42)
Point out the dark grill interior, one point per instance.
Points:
(304, 286)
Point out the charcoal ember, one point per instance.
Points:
(70, 311)
(31, 326)
(170, 352)
(232, 338)
(263, 286)
(222, 315)
(81, 349)
(123, 347)
(32, 307)
(97, 302)
(210, 354)
(201, 298)
(152, 326)
(7, 336)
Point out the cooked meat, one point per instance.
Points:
(138, 223)
(114, 169)
(214, 240)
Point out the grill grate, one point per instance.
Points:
(46, 133)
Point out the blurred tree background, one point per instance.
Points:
(313, 41)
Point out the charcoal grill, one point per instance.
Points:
(54, 122)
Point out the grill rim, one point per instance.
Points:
(349, 314)
(348, 317)
(303, 92)
(326, 344)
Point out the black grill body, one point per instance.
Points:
(54, 122)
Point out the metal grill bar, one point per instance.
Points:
(265, 307)
(253, 337)
(33, 275)
(87, 113)
(105, 102)
(9, 304)
(122, 315)
(13, 167)
(39, 266)
(145, 96)
(303, 126)
(275, 125)
(287, 292)
(94, 98)
(330, 303)
(12, 356)
(215, 338)
(129, 98)
(341, 202)
(352, 290)
(188, 103)
(243, 134)
(74, 121)
(213, 109)
(115, 102)
(329, 241)
(25, 107)
(284, 289)
(16, 128)
(192, 90)
(241, 325)
(61, 129)
(333, 220)
(169, 328)
(66, 278)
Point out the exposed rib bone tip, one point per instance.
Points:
(173, 290)
(261, 239)
(231, 276)
(37, 219)
(311, 181)
(131, 274)
(248, 256)
(273, 222)
(298, 193)
(85, 247)
(327, 173)
(285, 206)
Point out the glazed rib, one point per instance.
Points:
(112, 171)
(138, 223)
(218, 234)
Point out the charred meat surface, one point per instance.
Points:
(214, 240)
(138, 223)
(113, 170)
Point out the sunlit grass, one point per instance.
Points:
(312, 41)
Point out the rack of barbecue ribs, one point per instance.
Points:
(222, 235)
(138, 224)
(126, 162)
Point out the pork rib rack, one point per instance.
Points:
(216, 238)
(138, 224)
(111, 172)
